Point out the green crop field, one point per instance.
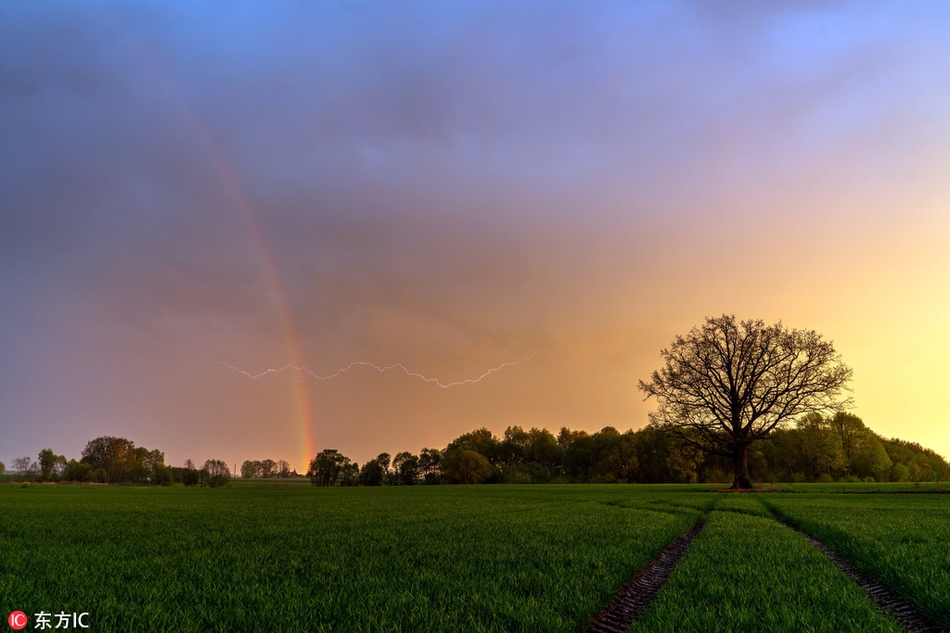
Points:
(747, 572)
(900, 540)
(454, 558)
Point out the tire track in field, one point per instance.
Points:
(633, 599)
(902, 611)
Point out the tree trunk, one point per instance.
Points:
(740, 464)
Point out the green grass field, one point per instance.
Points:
(900, 540)
(453, 558)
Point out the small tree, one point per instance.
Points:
(327, 466)
(384, 460)
(464, 466)
(47, 461)
(429, 459)
(406, 466)
(350, 474)
(728, 384)
(22, 466)
(267, 468)
(216, 473)
(371, 474)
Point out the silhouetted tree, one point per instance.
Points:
(50, 464)
(429, 459)
(248, 469)
(189, 475)
(406, 466)
(384, 461)
(118, 457)
(371, 474)
(327, 466)
(216, 473)
(464, 466)
(350, 474)
(22, 466)
(731, 383)
(481, 441)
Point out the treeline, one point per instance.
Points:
(116, 460)
(267, 469)
(815, 449)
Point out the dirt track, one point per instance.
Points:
(635, 597)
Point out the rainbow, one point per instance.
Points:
(304, 409)
(243, 207)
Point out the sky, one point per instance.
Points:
(194, 194)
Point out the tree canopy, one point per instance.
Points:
(728, 384)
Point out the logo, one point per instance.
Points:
(17, 620)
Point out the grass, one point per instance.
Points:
(487, 558)
(449, 558)
(902, 541)
(746, 572)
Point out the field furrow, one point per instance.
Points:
(747, 572)
(632, 601)
(899, 541)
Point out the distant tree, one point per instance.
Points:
(482, 441)
(728, 384)
(118, 457)
(371, 474)
(22, 466)
(47, 461)
(71, 471)
(579, 455)
(406, 466)
(544, 451)
(429, 459)
(216, 473)
(84, 472)
(327, 466)
(153, 462)
(514, 445)
(268, 467)
(3, 468)
(820, 453)
(248, 470)
(384, 460)
(899, 472)
(350, 474)
(190, 476)
(464, 466)
(162, 475)
(283, 468)
(849, 428)
(618, 459)
(869, 458)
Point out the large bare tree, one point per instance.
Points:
(727, 384)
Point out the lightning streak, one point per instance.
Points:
(381, 369)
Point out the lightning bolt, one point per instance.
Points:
(381, 369)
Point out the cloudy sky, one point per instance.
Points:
(192, 192)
